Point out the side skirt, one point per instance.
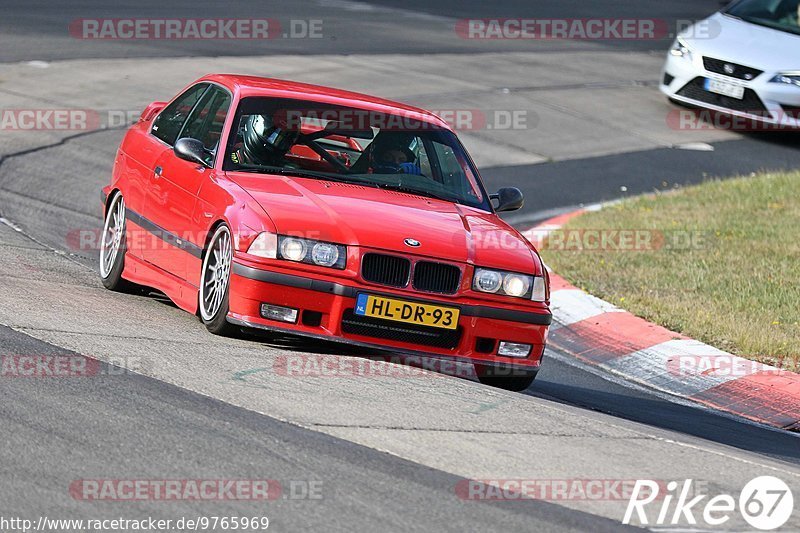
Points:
(183, 294)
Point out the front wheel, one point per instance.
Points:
(215, 283)
(114, 246)
(505, 378)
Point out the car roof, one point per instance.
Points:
(246, 86)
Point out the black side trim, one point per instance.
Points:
(164, 235)
(480, 311)
(289, 280)
(300, 282)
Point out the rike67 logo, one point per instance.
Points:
(766, 503)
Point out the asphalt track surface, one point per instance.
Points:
(35, 30)
(134, 426)
(146, 423)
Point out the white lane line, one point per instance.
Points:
(10, 224)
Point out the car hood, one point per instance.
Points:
(748, 44)
(376, 218)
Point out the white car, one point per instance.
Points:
(742, 61)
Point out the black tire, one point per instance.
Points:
(216, 321)
(511, 379)
(111, 275)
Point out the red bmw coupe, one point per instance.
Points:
(301, 209)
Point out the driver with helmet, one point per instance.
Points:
(391, 156)
(264, 142)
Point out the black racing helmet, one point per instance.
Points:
(265, 138)
(387, 142)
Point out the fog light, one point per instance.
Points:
(281, 314)
(513, 349)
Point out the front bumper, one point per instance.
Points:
(766, 103)
(325, 312)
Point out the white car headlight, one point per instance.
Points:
(318, 253)
(681, 49)
(325, 254)
(509, 284)
(272, 246)
(487, 281)
(516, 285)
(789, 78)
(293, 249)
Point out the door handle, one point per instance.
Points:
(157, 172)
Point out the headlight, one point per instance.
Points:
(293, 249)
(325, 254)
(787, 78)
(681, 49)
(487, 281)
(312, 252)
(509, 284)
(516, 285)
(272, 246)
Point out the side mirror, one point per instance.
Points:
(191, 150)
(508, 199)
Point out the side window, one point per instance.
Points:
(206, 121)
(418, 149)
(169, 123)
(455, 171)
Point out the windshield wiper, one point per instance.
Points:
(418, 192)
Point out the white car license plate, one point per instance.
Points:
(726, 89)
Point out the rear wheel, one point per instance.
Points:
(215, 283)
(511, 379)
(114, 246)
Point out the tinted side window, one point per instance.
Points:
(169, 123)
(454, 173)
(206, 121)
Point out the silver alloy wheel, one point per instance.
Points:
(216, 273)
(113, 231)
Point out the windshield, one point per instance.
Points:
(781, 15)
(328, 142)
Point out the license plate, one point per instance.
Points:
(436, 316)
(725, 89)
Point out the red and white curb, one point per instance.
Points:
(602, 335)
